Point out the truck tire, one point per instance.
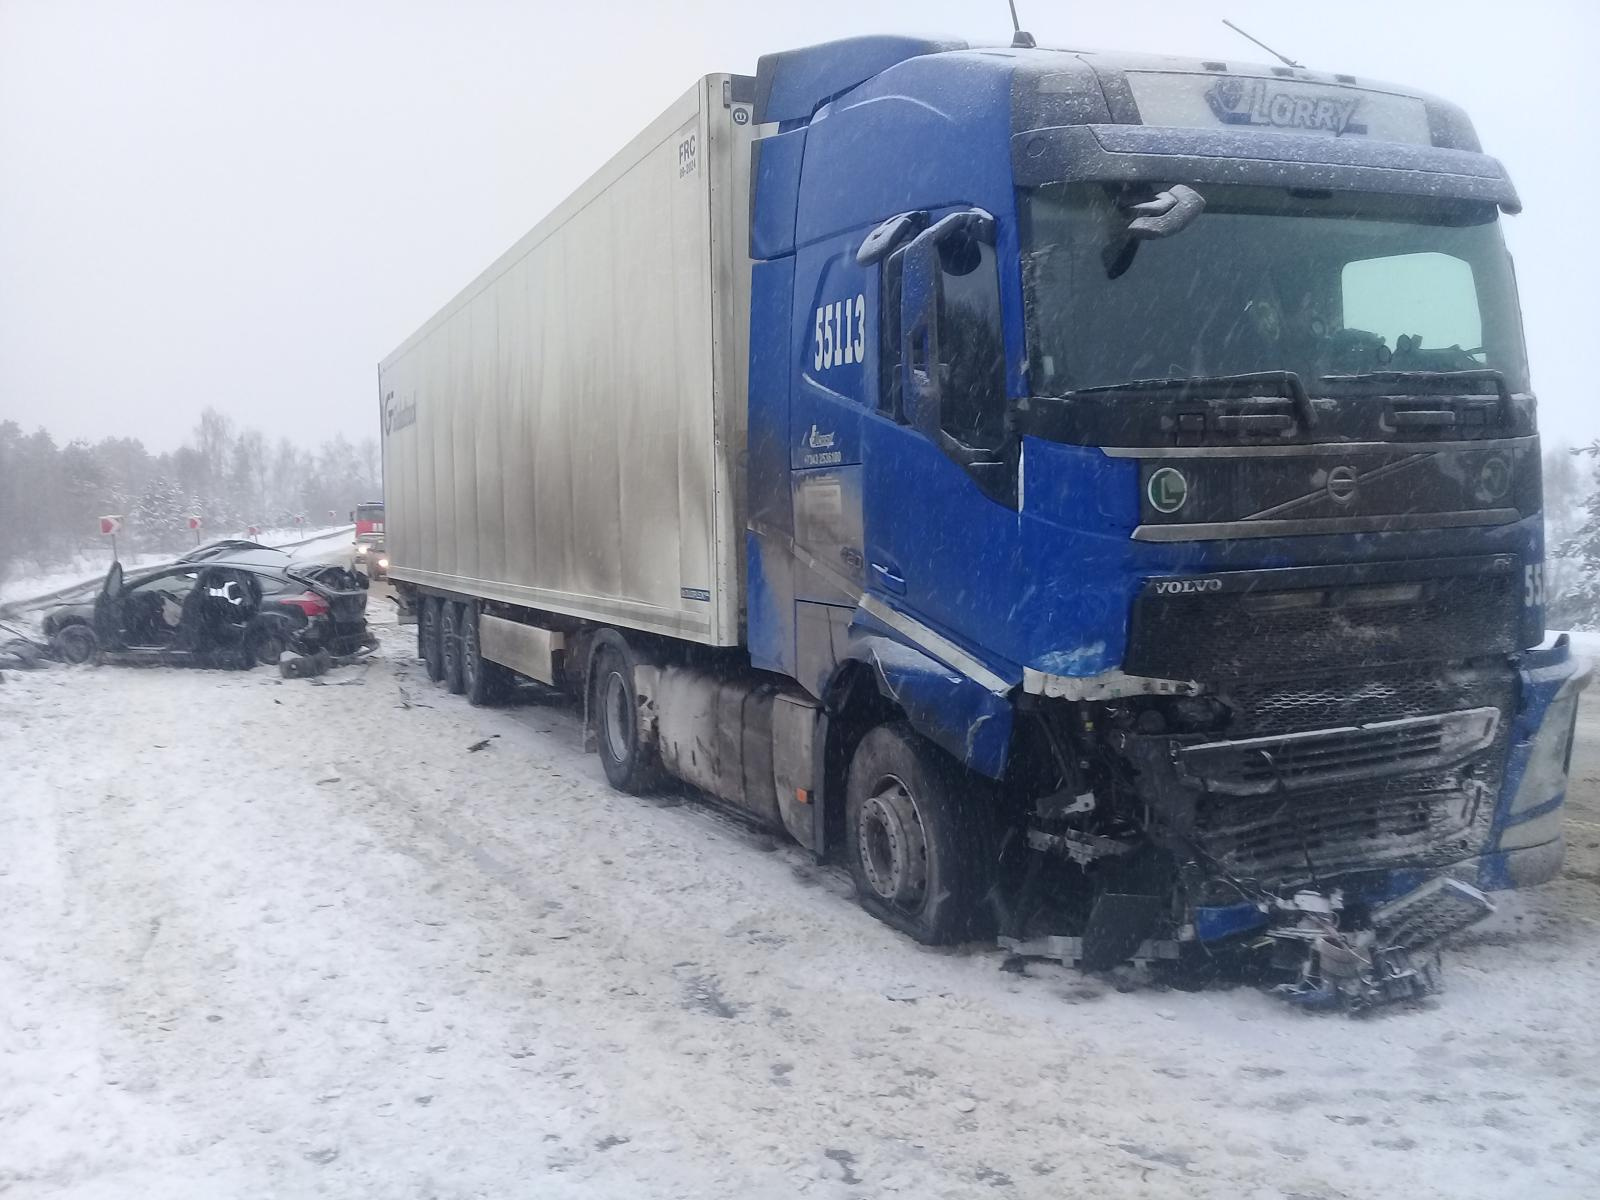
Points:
(483, 681)
(429, 648)
(917, 840)
(631, 764)
(450, 645)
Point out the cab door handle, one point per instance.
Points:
(890, 577)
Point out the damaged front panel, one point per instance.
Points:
(1350, 777)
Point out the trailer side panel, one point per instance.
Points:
(567, 434)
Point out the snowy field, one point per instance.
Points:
(86, 568)
(269, 938)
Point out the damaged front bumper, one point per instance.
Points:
(1403, 914)
(1345, 856)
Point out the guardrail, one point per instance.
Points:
(13, 607)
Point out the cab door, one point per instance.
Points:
(941, 494)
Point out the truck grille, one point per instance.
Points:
(1318, 758)
(1422, 818)
(1261, 708)
(1227, 635)
(1373, 769)
(1285, 839)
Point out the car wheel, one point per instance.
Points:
(484, 682)
(631, 764)
(429, 647)
(917, 837)
(450, 645)
(77, 644)
(264, 646)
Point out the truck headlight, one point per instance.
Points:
(361, 551)
(1545, 776)
(384, 563)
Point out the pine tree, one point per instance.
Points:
(1575, 602)
(159, 519)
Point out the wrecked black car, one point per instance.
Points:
(238, 613)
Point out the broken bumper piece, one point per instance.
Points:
(1391, 955)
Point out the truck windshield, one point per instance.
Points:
(1326, 285)
(369, 512)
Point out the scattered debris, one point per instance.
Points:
(476, 746)
(846, 1162)
(1392, 956)
(23, 654)
(1316, 948)
(703, 993)
(304, 666)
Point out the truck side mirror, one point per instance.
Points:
(921, 297)
(881, 241)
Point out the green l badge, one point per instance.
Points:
(1168, 489)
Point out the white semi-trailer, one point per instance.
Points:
(566, 434)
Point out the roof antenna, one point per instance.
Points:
(1019, 39)
(1283, 58)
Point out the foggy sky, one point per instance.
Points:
(248, 205)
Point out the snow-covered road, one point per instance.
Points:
(268, 938)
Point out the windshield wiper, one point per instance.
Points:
(1250, 385)
(1438, 383)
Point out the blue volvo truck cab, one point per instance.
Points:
(1144, 480)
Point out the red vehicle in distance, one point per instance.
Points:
(370, 554)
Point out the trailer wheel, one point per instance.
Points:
(485, 682)
(631, 764)
(450, 645)
(916, 837)
(429, 648)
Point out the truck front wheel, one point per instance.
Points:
(631, 764)
(916, 835)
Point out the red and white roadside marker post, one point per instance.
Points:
(110, 527)
(252, 531)
(194, 524)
